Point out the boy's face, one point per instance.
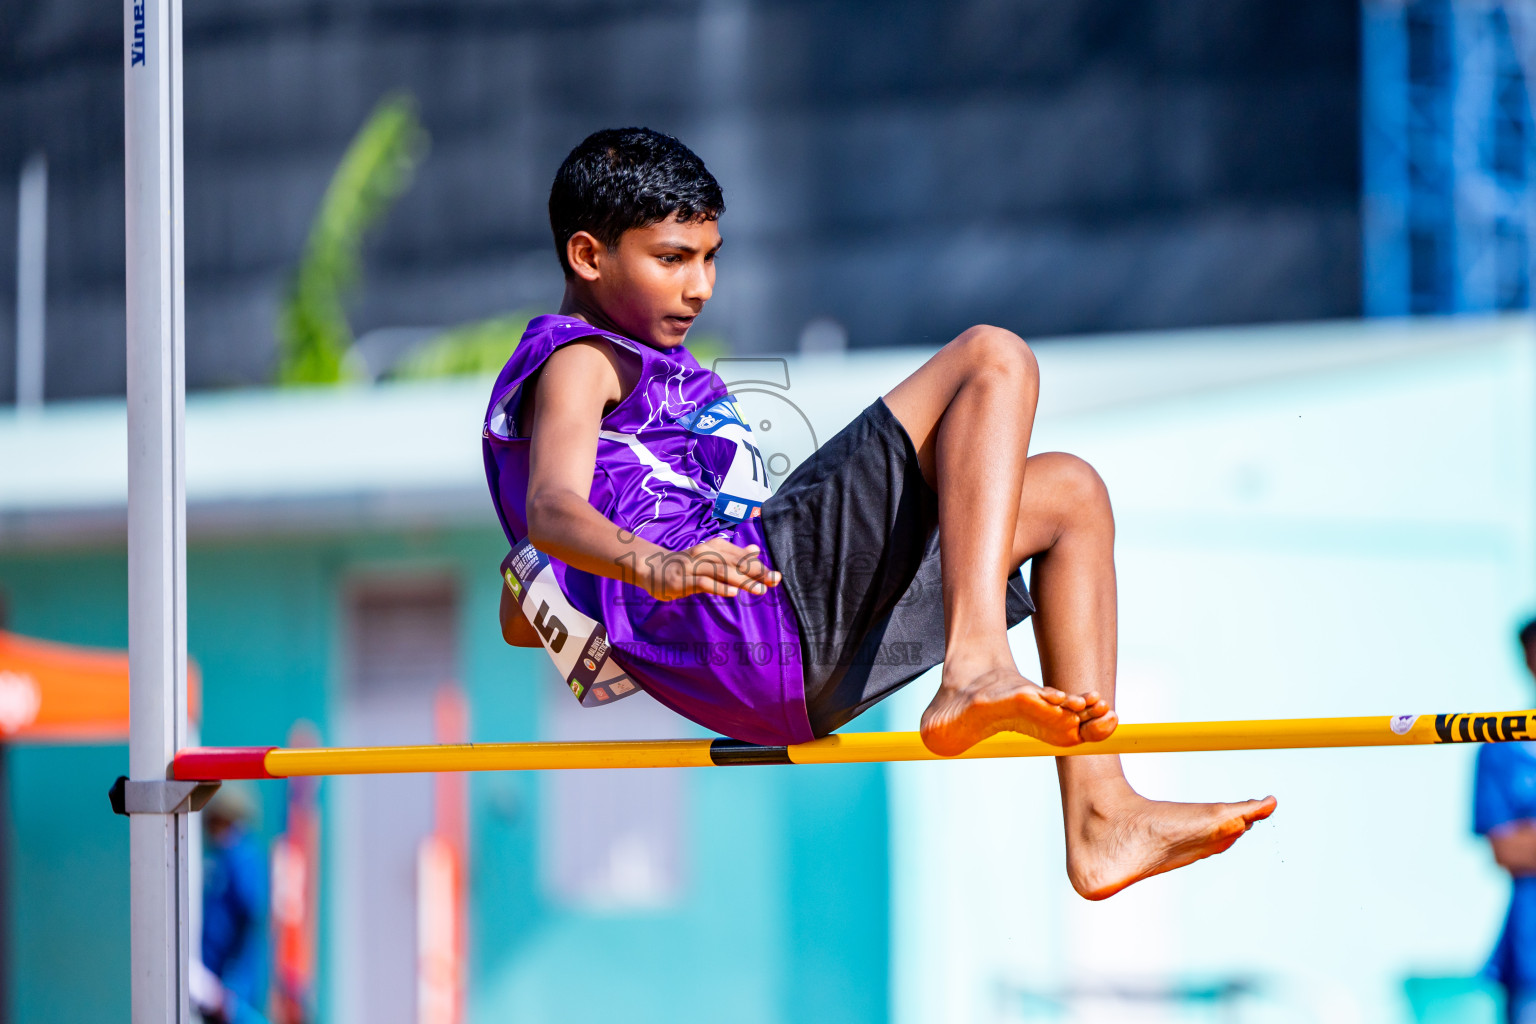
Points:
(654, 281)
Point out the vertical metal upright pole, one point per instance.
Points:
(157, 611)
(31, 280)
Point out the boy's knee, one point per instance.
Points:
(1081, 488)
(999, 353)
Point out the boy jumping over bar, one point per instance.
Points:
(628, 483)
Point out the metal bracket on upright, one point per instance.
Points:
(159, 796)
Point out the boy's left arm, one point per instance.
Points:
(515, 627)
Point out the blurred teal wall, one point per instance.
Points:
(784, 909)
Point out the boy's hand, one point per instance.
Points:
(714, 567)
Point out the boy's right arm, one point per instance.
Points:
(575, 386)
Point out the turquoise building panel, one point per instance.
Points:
(782, 911)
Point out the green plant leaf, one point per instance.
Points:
(313, 332)
(467, 350)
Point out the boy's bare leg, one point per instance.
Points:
(969, 411)
(1061, 518)
(1114, 836)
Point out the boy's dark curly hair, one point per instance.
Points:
(623, 178)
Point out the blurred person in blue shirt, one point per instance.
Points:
(1504, 810)
(234, 943)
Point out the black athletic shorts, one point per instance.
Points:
(854, 530)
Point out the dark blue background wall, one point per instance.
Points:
(906, 167)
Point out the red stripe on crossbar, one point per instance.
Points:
(212, 764)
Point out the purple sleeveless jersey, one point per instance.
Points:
(675, 465)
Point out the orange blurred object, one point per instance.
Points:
(59, 692)
(296, 895)
(440, 864)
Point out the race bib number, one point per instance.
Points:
(745, 486)
(577, 644)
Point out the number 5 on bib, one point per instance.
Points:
(576, 643)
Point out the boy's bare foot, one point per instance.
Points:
(972, 705)
(1115, 842)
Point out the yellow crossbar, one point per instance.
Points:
(200, 763)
